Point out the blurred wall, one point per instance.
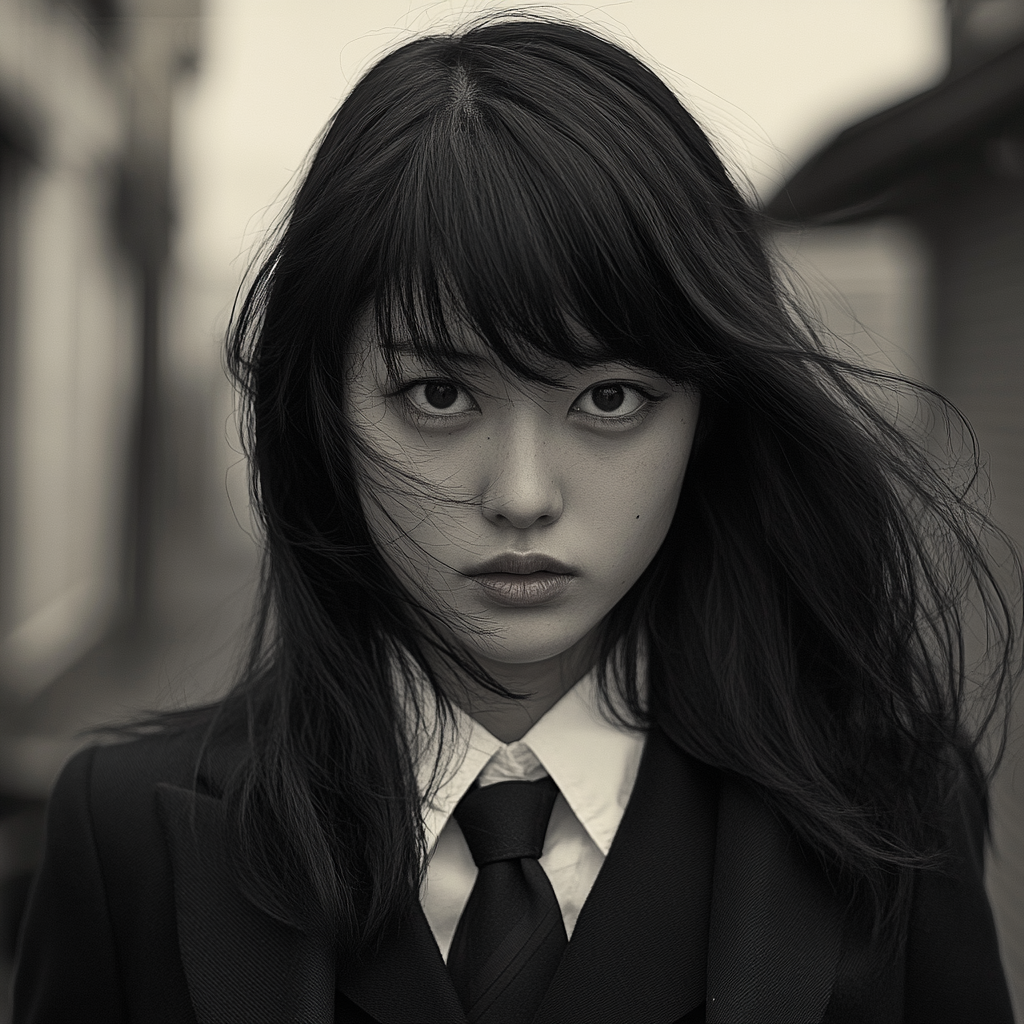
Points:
(67, 353)
(85, 91)
(870, 285)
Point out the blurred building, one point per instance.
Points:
(940, 178)
(85, 137)
(69, 359)
(85, 101)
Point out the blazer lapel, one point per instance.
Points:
(241, 965)
(776, 927)
(406, 982)
(638, 951)
(703, 893)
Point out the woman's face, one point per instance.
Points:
(539, 507)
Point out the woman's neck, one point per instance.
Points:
(543, 682)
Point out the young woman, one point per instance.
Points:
(609, 665)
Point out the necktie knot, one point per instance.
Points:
(506, 820)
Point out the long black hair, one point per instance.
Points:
(803, 620)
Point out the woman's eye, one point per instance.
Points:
(611, 401)
(439, 398)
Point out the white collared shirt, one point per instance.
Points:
(592, 761)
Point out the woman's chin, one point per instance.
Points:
(521, 647)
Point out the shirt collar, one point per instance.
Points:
(592, 760)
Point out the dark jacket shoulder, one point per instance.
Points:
(100, 939)
(182, 757)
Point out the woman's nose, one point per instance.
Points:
(523, 486)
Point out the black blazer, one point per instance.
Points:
(703, 910)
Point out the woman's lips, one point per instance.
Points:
(522, 579)
(522, 590)
(521, 563)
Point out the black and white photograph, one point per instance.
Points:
(511, 513)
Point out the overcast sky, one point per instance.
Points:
(769, 79)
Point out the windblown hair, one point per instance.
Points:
(804, 619)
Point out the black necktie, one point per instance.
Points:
(510, 937)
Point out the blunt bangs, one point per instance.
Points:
(526, 190)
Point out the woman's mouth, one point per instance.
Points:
(518, 580)
(520, 590)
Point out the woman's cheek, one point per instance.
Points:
(645, 521)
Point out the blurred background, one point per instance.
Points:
(147, 145)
